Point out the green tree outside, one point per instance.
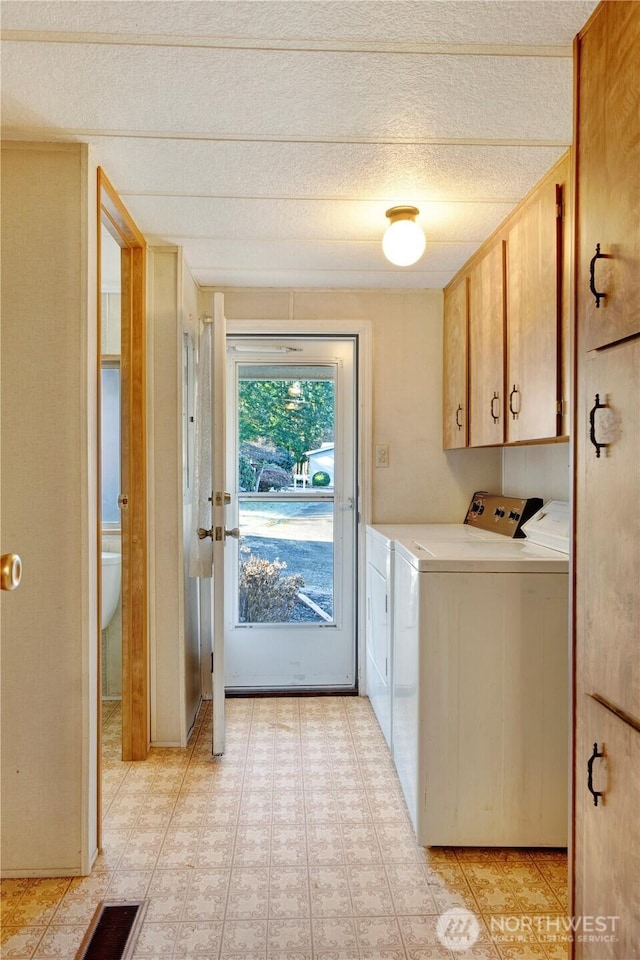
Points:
(264, 418)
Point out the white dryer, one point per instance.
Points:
(480, 685)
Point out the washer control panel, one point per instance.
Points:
(505, 515)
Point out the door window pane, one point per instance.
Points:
(286, 562)
(286, 427)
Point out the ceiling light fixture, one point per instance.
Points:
(404, 241)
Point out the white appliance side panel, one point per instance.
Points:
(536, 748)
(405, 701)
(494, 709)
(378, 652)
(462, 708)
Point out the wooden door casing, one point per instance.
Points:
(486, 349)
(608, 184)
(455, 398)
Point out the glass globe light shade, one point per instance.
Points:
(403, 242)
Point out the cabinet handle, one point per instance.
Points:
(592, 425)
(594, 756)
(514, 413)
(496, 416)
(458, 421)
(592, 275)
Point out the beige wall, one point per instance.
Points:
(49, 509)
(539, 470)
(174, 650)
(422, 483)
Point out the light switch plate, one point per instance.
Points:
(382, 455)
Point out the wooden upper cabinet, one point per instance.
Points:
(455, 413)
(534, 311)
(608, 195)
(486, 348)
(516, 288)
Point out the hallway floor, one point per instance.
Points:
(296, 845)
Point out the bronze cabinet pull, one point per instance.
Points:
(514, 412)
(592, 425)
(594, 756)
(592, 275)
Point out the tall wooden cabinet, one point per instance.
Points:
(606, 789)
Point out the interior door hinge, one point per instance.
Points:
(559, 202)
(386, 603)
(212, 663)
(561, 407)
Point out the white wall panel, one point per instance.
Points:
(540, 470)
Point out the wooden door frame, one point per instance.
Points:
(135, 668)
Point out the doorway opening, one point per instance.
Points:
(122, 533)
(290, 577)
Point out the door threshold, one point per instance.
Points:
(291, 692)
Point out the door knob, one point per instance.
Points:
(11, 571)
(219, 533)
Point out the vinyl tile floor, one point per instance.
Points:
(296, 845)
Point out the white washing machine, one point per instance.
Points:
(380, 556)
(480, 705)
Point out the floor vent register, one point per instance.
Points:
(113, 931)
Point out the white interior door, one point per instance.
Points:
(218, 516)
(291, 576)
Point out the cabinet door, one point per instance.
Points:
(608, 525)
(486, 349)
(608, 206)
(533, 316)
(455, 416)
(607, 866)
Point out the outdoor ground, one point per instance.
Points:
(301, 535)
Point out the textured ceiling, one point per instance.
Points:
(268, 138)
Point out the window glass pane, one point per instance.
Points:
(286, 562)
(286, 426)
(110, 402)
